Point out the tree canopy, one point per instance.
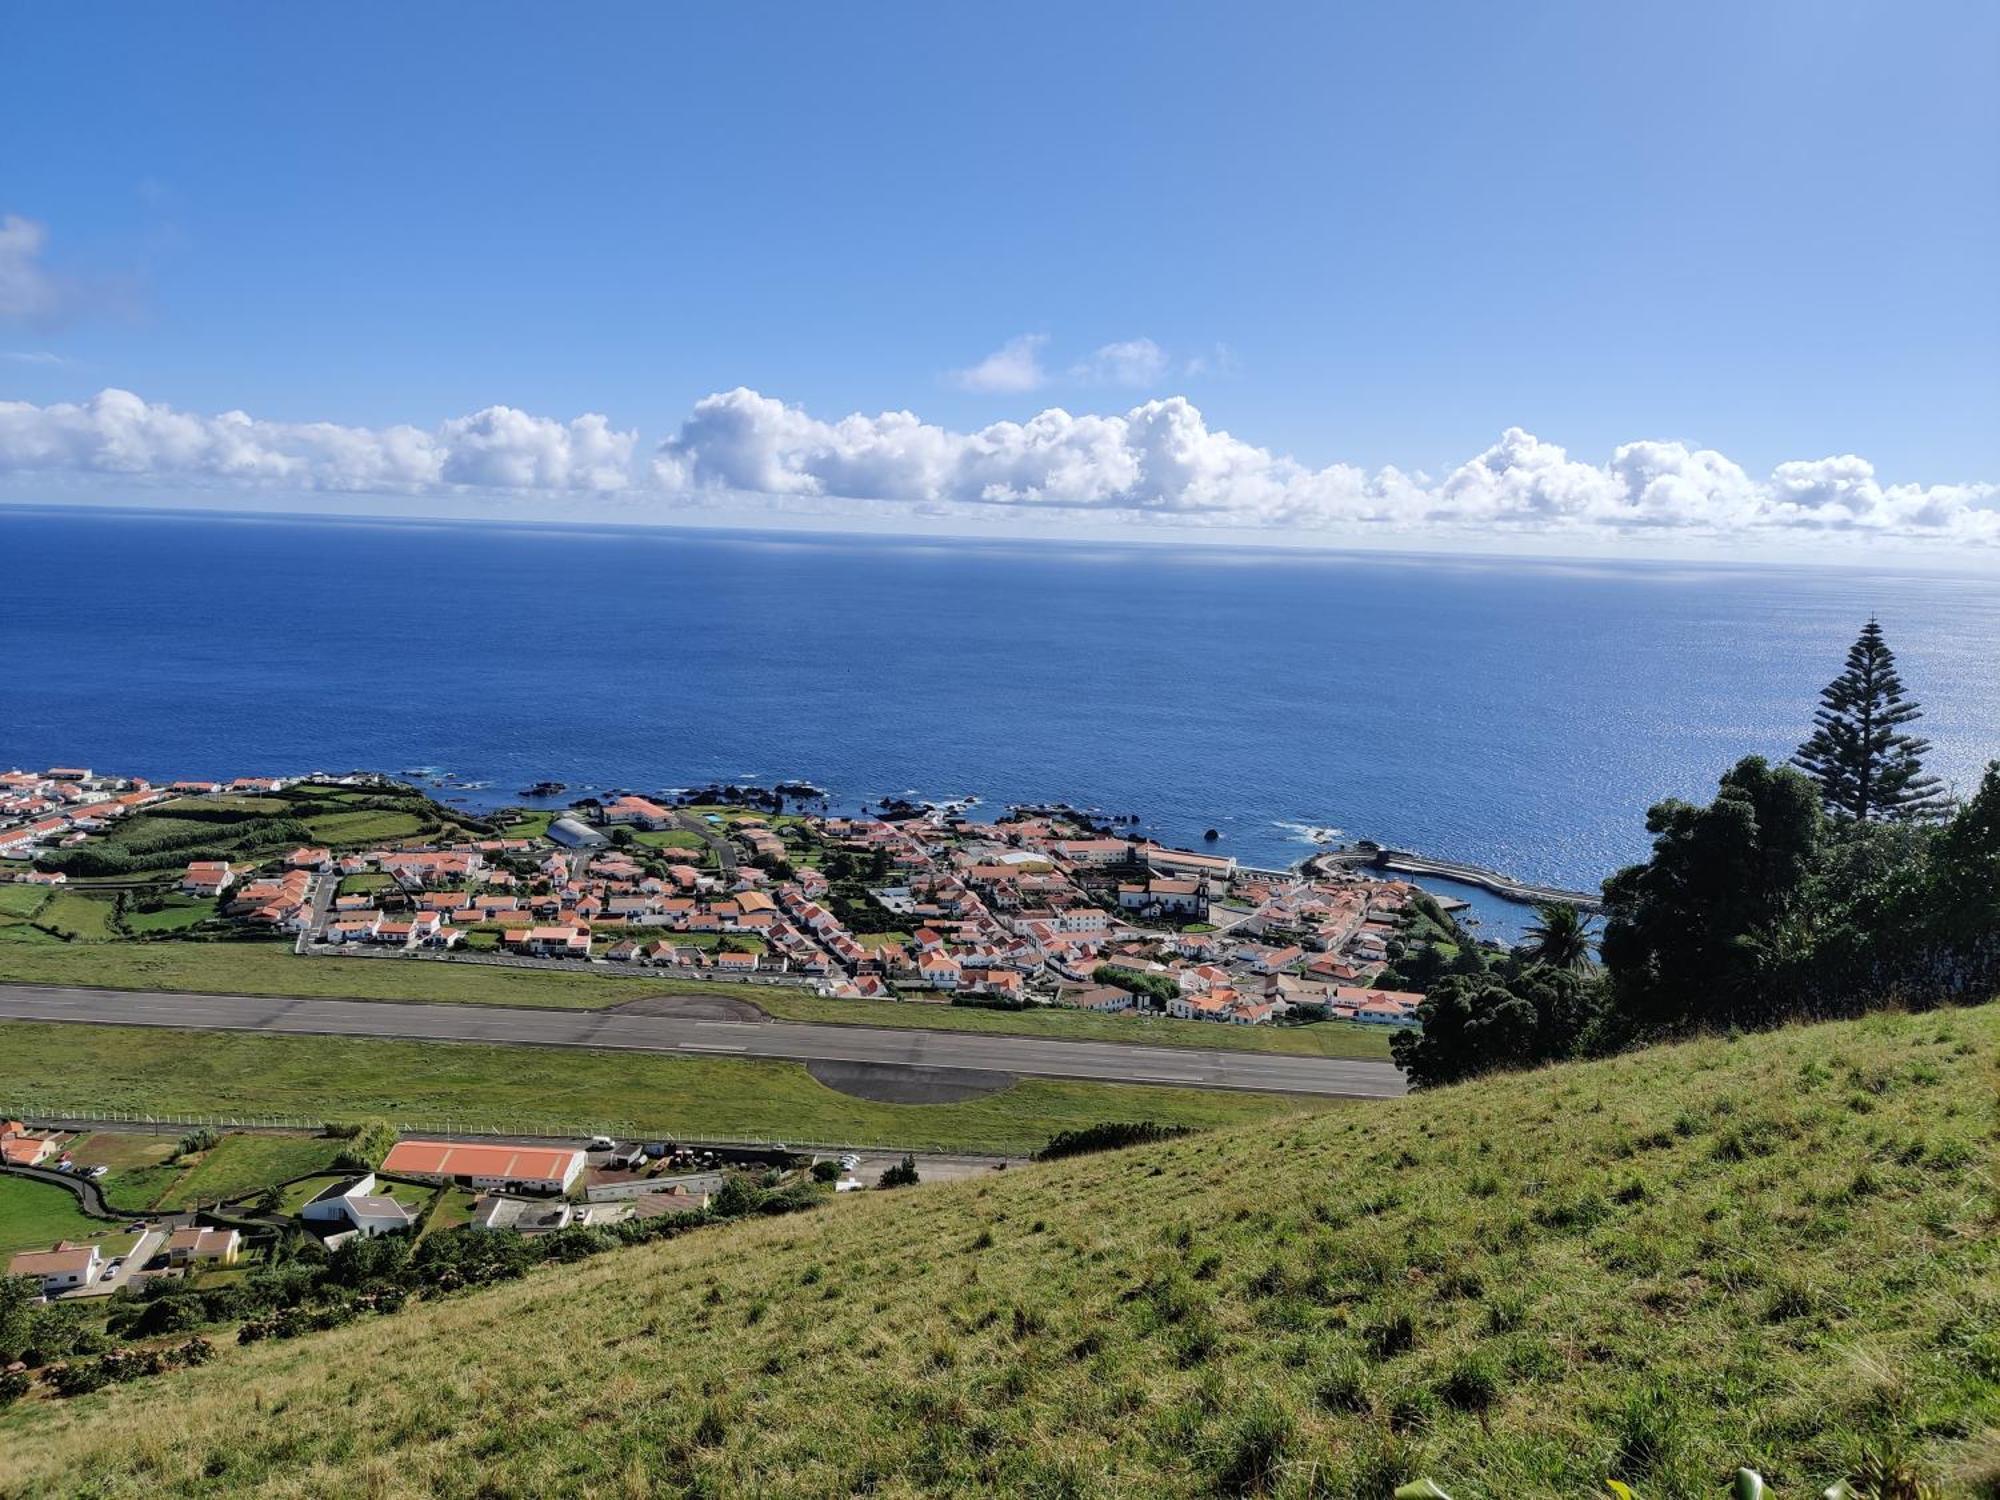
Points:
(1866, 765)
(1699, 933)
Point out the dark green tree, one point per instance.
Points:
(1706, 932)
(1952, 914)
(1560, 937)
(1867, 767)
(1473, 1025)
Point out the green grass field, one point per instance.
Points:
(90, 919)
(179, 914)
(34, 1215)
(528, 825)
(1774, 1251)
(246, 1164)
(22, 900)
(670, 838)
(265, 968)
(523, 1089)
(364, 826)
(1321, 1039)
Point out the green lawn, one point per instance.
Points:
(272, 969)
(138, 1176)
(1319, 1039)
(88, 918)
(34, 1215)
(363, 826)
(534, 1090)
(454, 1210)
(244, 807)
(533, 825)
(363, 882)
(22, 900)
(14, 931)
(246, 1164)
(179, 914)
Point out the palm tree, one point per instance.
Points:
(1561, 939)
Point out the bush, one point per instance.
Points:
(903, 1174)
(13, 1386)
(1159, 988)
(825, 1171)
(196, 1141)
(1110, 1136)
(368, 1142)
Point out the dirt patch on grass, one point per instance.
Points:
(899, 1083)
(691, 1007)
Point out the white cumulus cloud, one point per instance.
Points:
(1158, 463)
(1161, 460)
(117, 432)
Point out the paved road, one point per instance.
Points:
(725, 852)
(1118, 1062)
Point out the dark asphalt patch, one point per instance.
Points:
(690, 1008)
(900, 1083)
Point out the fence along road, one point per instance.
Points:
(1041, 1057)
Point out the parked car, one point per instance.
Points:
(96, 1171)
(849, 1162)
(601, 1143)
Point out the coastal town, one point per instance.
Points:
(1039, 907)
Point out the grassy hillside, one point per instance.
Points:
(1770, 1250)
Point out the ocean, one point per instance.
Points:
(1517, 714)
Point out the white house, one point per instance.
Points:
(355, 1203)
(62, 1269)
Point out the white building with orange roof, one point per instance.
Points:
(207, 877)
(533, 1169)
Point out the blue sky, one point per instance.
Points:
(1358, 236)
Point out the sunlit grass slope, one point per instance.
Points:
(1768, 1251)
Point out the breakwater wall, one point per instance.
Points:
(1405, 862)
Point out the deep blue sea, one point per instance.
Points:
(1517, 714)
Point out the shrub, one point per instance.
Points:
(1109, 1136)
(197, 1141)
(903, 1174)
(368, 1143)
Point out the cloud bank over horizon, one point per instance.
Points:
(1157, 464)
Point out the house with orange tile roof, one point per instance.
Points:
(207, 877)
(939, 970)
(532, 1169)
(559, 941)
(21, 1148)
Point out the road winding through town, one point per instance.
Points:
(1109, 1062)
